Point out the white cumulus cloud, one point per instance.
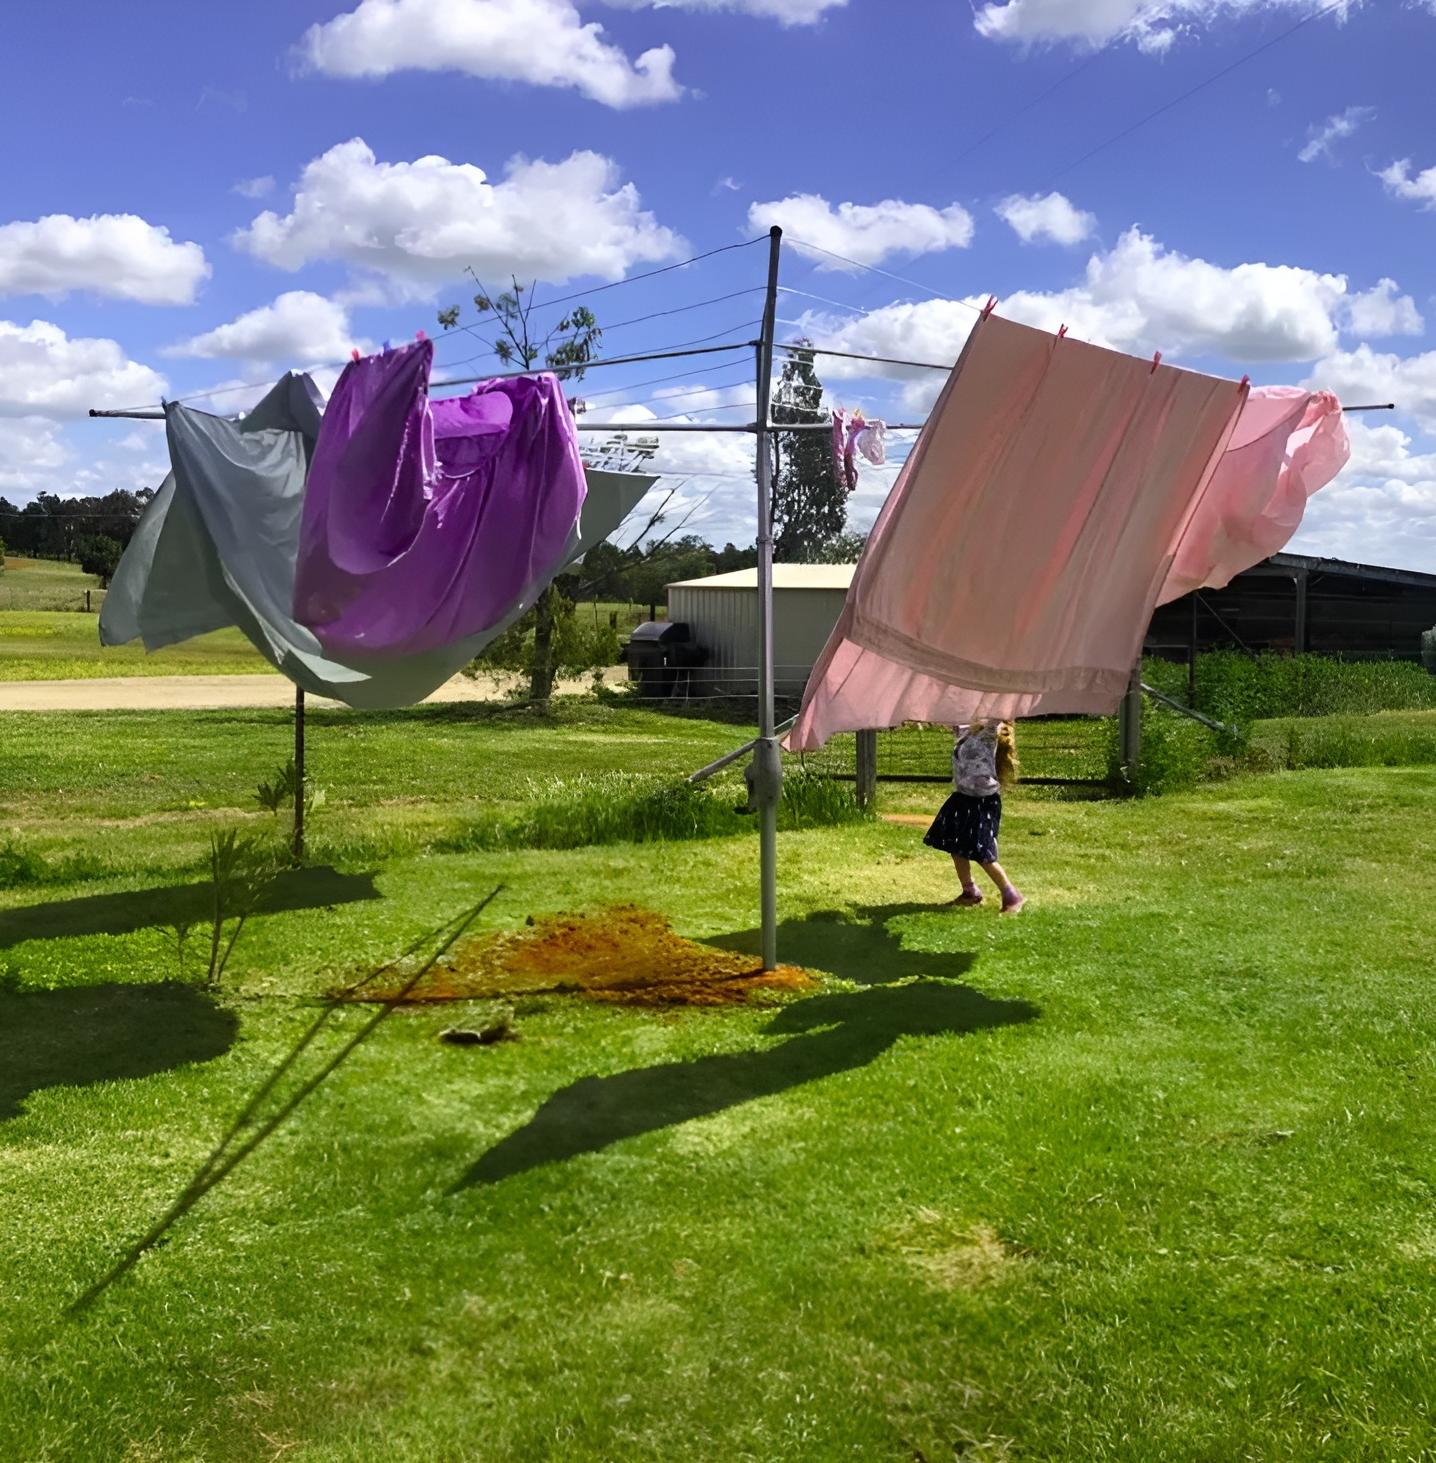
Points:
(114, 254)
(1402, 182)
(541, 42)
(1381, 509)
(786, 12)
(1139, 297)
(1381, 311)
(44, 372)
(254, 187)
(1321, 137)
(419, 224)
(299, 327)
(30, 451)
(1045, 217)
(1152, 25)
(866, 233)
(1366, 375)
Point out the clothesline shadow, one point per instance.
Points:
(83, 1035)
(126, 912)
(859, 945)
(824, 1035)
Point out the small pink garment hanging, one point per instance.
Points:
(1058, 493)
(854, 433)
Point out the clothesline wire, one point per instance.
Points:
(818, 350)
(886, 273)
(663, 380)
(1200, 86)
(598, 289)
(156, 413)
(637, 320)
(746, 379)
(634, 278)
(784, 289)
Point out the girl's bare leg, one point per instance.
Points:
(1012, 901)
(970, 892)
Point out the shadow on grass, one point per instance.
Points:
(827, 1035)
(858, 946)
(142, 909)
(87, 1034)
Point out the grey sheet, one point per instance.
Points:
(218, 543)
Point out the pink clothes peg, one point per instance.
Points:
(1156, 361)
(1062, 330)
(990, 306)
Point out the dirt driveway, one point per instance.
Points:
(212, 693)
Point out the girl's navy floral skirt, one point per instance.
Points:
(967, 826)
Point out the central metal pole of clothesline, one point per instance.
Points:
(767, 759)
(299, 789)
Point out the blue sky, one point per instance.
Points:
(219, 199)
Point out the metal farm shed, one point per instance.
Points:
(1292, 602)
(722, 615)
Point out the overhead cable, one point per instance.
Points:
(1200, 86)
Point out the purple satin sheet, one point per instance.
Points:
(426, 522)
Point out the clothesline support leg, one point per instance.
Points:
(767, 758)
(866, 768)
(1129, 725)
(299, 788)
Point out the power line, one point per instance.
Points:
(1200, 86)
(1026, 107)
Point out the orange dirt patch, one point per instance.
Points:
(627, 956)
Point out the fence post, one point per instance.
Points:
(867, 768)
(1129, 724)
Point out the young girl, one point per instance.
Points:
(984, 761)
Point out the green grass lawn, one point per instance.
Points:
(47, 584)
(50, 645)
(1147, 1173)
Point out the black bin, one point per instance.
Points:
(658, 652)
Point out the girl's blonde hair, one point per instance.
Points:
(1007, 764)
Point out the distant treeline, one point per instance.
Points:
(50, 527)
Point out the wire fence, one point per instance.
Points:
(1057, 751)
(1052, 750)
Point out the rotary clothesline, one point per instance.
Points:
(765, 772)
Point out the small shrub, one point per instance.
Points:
(241, 872)
(280, 793)
(20, 866)
(1176, 753)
